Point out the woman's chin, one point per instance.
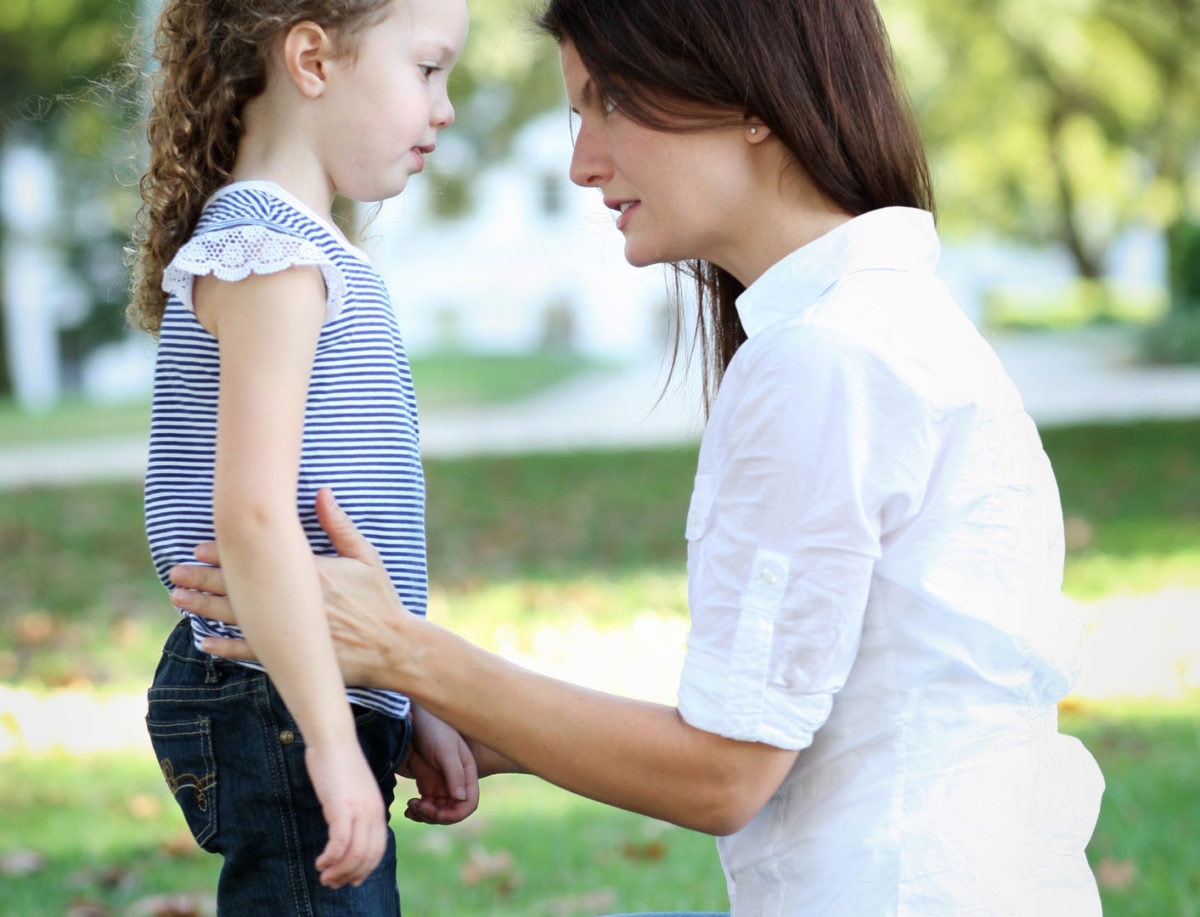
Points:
(641, 256)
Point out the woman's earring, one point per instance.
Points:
(754, 130)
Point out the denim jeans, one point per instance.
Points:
(234, 760)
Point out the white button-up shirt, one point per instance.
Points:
(874, 560)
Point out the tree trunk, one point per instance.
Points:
(1183, 266)
(5, 375)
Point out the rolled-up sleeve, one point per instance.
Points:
(814, 452)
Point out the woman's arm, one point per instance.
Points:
(267, 329)
(632, 754)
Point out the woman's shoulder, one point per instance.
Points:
(888, 344)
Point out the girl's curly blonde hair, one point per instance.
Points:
(213, 57)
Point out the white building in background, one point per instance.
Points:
(537, 261)
(37, 286)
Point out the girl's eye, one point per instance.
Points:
(428, 70)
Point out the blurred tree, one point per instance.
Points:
(1060, 121)
(507, 75)
(60, 88)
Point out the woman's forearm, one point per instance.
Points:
(636, 755)
(628, 753)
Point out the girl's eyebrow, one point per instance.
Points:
(440, 50)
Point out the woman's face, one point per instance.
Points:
(677, 195)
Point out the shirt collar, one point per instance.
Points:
(891, 238)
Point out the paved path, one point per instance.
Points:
(1065, 378)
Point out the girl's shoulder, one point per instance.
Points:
(251, 228)
(264, 203)
(273, 205)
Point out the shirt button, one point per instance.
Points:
(768, 576)
(287, 737)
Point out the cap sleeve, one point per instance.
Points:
(232, 253)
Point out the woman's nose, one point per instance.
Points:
(590, 163)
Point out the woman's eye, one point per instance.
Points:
(428, 70)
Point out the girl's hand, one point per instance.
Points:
(361, 605)
(445, 772)
(353, 810)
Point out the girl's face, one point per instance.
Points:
(677, 195)
(386, 103)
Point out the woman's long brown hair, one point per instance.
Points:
(819, 73)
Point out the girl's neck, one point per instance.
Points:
(273, 149)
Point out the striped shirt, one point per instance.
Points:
(360, 430)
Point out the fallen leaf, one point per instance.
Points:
(649, 850)
(174, 906)
(180, 845)
(33, 629)
(18, 863)
(596, 902)
(1115, 875)
(87, 909)
(483, 865)
(144, 806)
(111, 877)
(1077, 533)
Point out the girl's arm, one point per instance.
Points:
(267, 329)
(632, 754)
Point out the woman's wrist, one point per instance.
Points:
(396, 664)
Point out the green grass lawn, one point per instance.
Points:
(105, 831)
(517, 543)
(101, 830)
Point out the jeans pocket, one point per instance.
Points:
(185, 754)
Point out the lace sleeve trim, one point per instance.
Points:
(235, 252)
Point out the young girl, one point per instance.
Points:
(280, 369)
(867, 710)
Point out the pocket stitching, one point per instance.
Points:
(204, 788)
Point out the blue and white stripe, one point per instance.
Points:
(360, 433)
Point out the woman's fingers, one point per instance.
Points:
(199, 577)
(227, 648)
(205, 604)
(207, 553)
(347, 540)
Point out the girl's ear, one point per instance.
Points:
(307, 49)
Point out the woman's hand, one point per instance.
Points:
(361, 605)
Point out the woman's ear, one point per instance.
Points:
(307, 49)
(755, 130)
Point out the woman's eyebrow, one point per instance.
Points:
(588, 93)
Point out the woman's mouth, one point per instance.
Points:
(623, 209)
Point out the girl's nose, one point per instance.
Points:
(443, 114)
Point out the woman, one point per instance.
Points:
(867, 711)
